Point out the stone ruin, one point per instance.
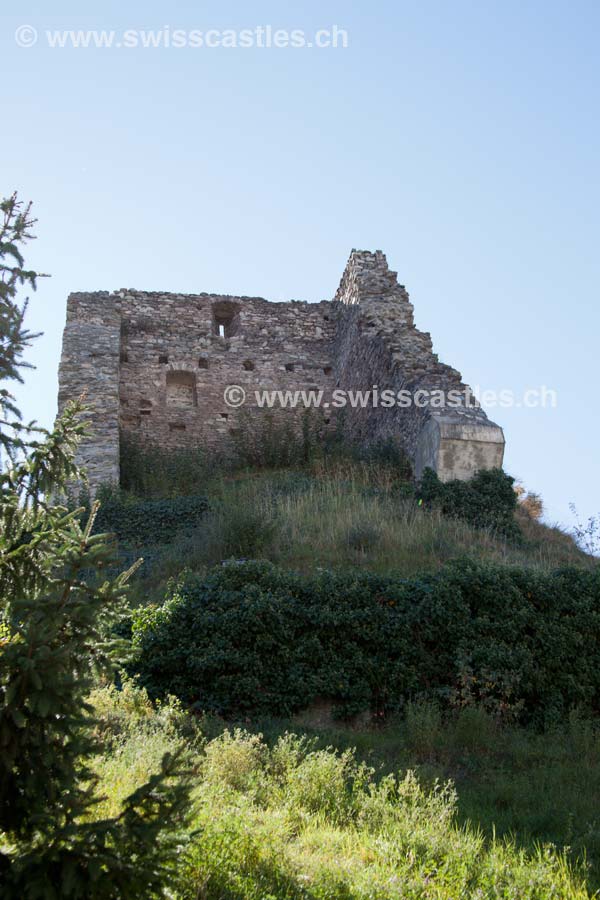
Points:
(154, 366)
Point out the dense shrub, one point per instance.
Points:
(253, 638)
(488, 500)
(141, 522)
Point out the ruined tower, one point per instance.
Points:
(156, 365)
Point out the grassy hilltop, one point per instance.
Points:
(302, 509)
(465, 789)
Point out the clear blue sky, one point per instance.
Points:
(462, 138)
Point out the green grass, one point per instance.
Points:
(304, 502)
(340, 516)
(409, 813)
(420, 807)
(512, 782)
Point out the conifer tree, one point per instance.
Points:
(58, 612)
(15, 230)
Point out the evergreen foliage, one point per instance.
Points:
(488, 500)
(57, 621)
(142, 522)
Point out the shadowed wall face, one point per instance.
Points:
(156, 365)
(378, 343)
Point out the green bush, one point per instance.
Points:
(488, 500)
(251, 638)
(139, 522)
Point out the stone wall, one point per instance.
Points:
(155, 365)
(377, 343)
(178, 354)
(89, 366)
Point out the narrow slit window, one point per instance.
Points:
(226, 319)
